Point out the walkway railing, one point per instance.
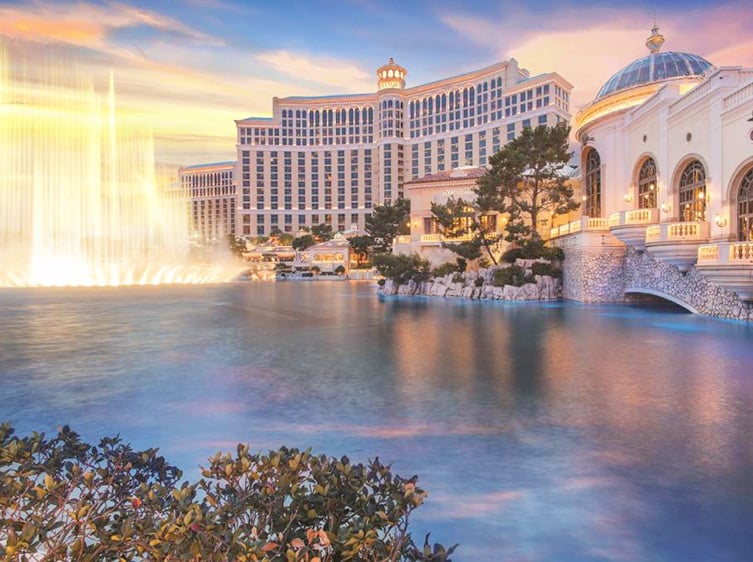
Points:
(584, 223)
(678, 231)
(731, 253)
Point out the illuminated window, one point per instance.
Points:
(745, 208)
(593, 184)
(647, 185)
(693, 192)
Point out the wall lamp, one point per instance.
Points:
(666, 207)
(628, 197)
(720, 221)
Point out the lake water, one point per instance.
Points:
(542, 432)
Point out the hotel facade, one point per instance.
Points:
(211, 193)
(331, 159)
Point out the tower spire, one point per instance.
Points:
(655, 40)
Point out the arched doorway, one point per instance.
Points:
(593, 184)
(692, 192)
(647, 185)
(745, 208)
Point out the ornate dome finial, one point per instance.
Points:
(656, 40)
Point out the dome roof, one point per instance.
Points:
(655, 67)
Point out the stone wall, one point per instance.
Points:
(643, 272)
(594, 274)
(545, 287)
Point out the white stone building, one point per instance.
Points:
(667, 161)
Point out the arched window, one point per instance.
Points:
(593, 184)
(745, 208)
(647, 185)
(693, 192)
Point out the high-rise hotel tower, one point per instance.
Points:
(330, 159)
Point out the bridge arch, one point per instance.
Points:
(666, 296)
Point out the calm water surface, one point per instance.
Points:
(556, 432)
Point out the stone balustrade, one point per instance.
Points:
(677, 242)
(730, 265)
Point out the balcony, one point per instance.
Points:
(580, 225)
(730, 265)
(677, 242)
(629, 227)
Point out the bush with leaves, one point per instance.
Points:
(443, 269)
(513, 275)
(511, 255)
(63, 499)
(402, 268)
(546, 268)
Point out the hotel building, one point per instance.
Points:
(331, 159)
(211, 193)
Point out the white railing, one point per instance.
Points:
(653, 233)
(737, 253)
(615, 219)
(678, 231)
(739, 97)
(708, 254)
(642, 216)
(741, 252)
(583, 223)
(686, 231)
(402, 239)
(431, 238)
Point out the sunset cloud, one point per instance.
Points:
(187, 71)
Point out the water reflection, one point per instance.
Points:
(543, 432)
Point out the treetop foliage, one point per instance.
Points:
(64, 499)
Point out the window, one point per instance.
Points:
(647, 185)
(745, 208)
(593, 184)
(693, 192)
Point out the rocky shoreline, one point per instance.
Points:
(467, 286)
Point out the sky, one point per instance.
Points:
(187, 69)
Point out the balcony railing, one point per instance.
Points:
(735, 253)
(678, 231)
(584, 223)
(402, 239)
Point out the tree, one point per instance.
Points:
(386, 222)
(361, 245)
(401, 268)
(459, 219)
(526, 178)
(63, 499)
(285, 239)
(303, 242)
(322, 232)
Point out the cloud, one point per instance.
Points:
(587, 45)
(327, 72)
(88, 25)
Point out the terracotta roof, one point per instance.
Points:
(462, 173)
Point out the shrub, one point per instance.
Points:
(401, 268)
(553, 253)
(381, 282)
(478, 281)
(63, 499)
(340, 269)
(544, 268)
(462, 264)
(458, 278)
(513, 275)
(511, 255)
(532, 249)
(444, 269)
